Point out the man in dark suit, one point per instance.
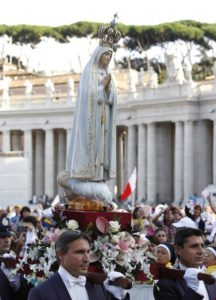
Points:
(11, 286)
(69, 282)
(189, 246)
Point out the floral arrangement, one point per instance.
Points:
(112, 249)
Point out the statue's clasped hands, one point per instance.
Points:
(106, 81)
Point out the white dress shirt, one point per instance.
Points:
(201, 288)
(76, 291)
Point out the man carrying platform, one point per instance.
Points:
(189, 246)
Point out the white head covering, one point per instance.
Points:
(185, 222)
(86, 134)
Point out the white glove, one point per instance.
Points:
(14, 279)
(116, 291)
(191, 278)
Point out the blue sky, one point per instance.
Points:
(136, 12)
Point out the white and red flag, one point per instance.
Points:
(130, 186)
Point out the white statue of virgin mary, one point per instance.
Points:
(91, 159)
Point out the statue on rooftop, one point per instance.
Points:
(174, 68)
(28, 88)
(50, 88)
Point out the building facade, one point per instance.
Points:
(168, 132)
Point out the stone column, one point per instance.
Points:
(178, 171)
(39, 163)
(15, 140)
(214, 151)
(125, 146)
(68, 138)
(61, 150)
(28, 155)
(6, 141)
(131, 157)
(49, 163)
(120, 164)
(131, 147)
(141, 165)
(151, 163)
(188, 160)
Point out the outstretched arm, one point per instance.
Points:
(211, 204)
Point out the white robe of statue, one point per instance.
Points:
(91, 158)
(92, 150)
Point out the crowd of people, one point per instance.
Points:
(178, 237)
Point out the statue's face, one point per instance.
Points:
(105, 59)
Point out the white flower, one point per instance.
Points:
(5, 222)
(115, 238)
(72, 225)
(114, 226)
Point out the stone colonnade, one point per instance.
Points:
(173, 159)
(46, 153)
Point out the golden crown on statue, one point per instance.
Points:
(109, 35)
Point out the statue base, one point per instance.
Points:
(86, 217)
(82, 203)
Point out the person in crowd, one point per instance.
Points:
(177, 214)
(185, 222)
(26, 236)
(30, 223)
(211, 202)
(69, 282)
(2, 213)
(160, 235)
(141, 221)
(12, 286)
(210, 260)
(196, 216)
(189, 247)
(138, 218)
(167, 223)
(15, 220)
(10, 212)
(211, 237)
(165, 254)
(25, 212)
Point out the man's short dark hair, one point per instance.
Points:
(67, 237)
(184, 233)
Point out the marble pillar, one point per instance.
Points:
(6, 145)
(120, 163)
(131, 148)
(178, 170)
(68, 138)
(49, 163)
(39, 163)
(28, 155)
(142, 163)
(61, 150)
(151, 163)
(188, 160)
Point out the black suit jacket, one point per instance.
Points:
(54, 289)
(168, 289)
(7, 293)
